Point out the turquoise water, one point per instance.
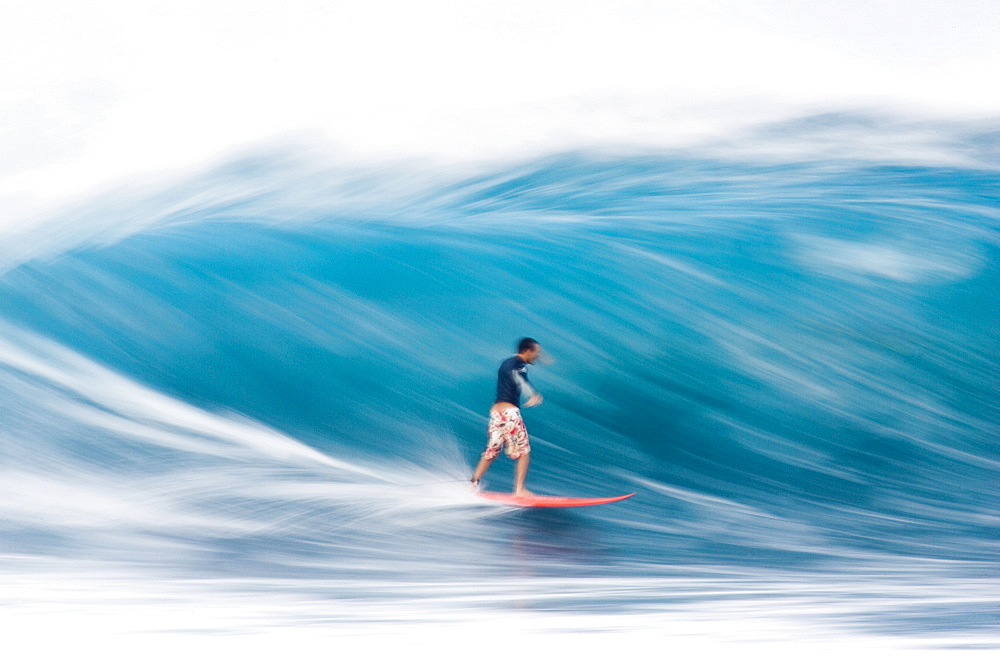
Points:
(279, 370)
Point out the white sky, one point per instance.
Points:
(92, 92)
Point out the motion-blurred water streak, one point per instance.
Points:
(272, 379)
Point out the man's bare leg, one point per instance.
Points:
(520, 473)
(480, 471)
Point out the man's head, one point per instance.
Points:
(529, 350)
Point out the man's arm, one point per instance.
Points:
(534, 397)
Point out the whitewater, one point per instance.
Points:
(247, 404)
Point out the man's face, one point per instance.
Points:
(531, 355)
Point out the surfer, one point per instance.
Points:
(506, 428)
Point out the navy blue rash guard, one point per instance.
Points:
(512, 381)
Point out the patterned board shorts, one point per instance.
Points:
(507, 428)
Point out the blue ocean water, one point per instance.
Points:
(278, 372)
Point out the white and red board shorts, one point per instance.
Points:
(506, 428)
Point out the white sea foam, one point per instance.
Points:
(755, 622)
(103, 93)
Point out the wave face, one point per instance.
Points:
(281, 372)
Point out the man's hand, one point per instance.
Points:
(533, 400)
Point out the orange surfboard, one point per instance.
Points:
(549, 501)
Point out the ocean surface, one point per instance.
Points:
(251, 399)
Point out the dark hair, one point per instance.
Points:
(526, 344)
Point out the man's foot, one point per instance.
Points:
(474, 485)
(523, 492)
